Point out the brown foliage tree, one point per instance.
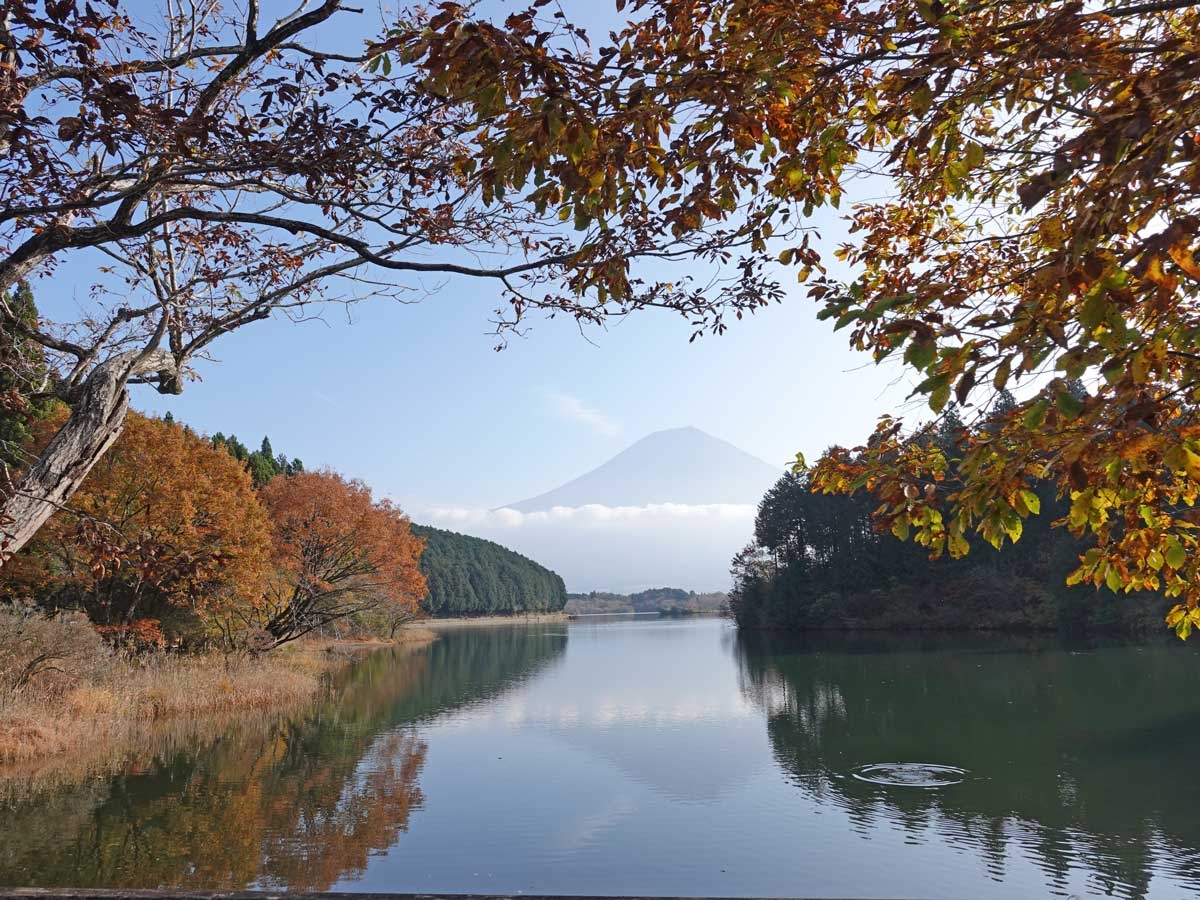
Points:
(337, 553)
(165, 520)
(221, 168)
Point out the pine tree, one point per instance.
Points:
(24, 378)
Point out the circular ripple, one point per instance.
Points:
(918, 775)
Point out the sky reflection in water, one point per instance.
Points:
(670, 758)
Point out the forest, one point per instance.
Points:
(821, 561)
(178, 540)
(469, 576)
(666, 600)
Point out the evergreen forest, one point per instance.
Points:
(469, 576)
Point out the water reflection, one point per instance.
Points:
(1075, 756)
(301, 803)
(670, 759)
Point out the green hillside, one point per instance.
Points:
(469, 576)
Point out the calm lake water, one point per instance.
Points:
(672, 758)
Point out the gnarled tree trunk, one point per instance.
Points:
(96, 421)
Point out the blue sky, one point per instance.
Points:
(415, 400)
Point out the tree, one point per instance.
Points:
(337, 553)
(263, 465)
(223, 169)
(24, 379)
(164, 521)
(1034, 172)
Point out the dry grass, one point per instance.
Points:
(88, 708)
(37, 724)
(416, 635)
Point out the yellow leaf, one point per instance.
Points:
(1191, 464)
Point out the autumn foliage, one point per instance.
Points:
(337, 552)
(226, 162)
(167, 540)
(166, 522)
(1021, 183)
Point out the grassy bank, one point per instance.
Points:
(68, 702)
(468, 621)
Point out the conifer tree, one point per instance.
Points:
(24, 377)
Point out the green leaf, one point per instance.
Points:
(882, 305)
(1077, 81)
(939, 396)
(1175, 556)
(922, 99)
(1112, 579)
(1036, 414)
(921, 354)
(973, 154)
(1095, 308)
(846, 318)
(1113, 371)
(1069, 405)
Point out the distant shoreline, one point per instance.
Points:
(468, 621)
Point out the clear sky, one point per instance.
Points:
(414, 399)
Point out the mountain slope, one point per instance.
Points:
(471, 576)
(682, 465)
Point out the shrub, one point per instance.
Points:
(46, 656)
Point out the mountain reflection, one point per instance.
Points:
(1074, 758)
(300, 803)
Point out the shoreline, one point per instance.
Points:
(143, 705)
(489, 621)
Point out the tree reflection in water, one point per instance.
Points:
(299, 803)
(1060, 746)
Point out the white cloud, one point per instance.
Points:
(592, 513)
(618, 548)
(573, 409)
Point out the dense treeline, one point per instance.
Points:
(263, 464)
(818, 561)
(469, 576)
(178, 539)
(665, 600)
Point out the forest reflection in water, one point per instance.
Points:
(668, 758)
(299, 803)
(1074, 755)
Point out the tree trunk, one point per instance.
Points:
(96, 421)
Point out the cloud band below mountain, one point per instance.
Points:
(616, 548)
(591, 512)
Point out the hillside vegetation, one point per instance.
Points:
(818, 561)
(666, 600)
(470, 576)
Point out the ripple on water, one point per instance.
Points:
(918, 775)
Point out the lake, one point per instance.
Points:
(671, 757)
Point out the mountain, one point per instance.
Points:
(681, 465)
